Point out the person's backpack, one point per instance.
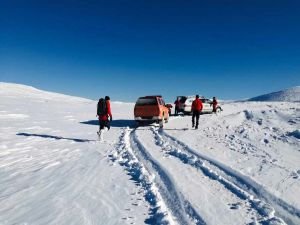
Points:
(101, 109)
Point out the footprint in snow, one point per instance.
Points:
(266, 141)
(292, 122)
(295, 175)
(235, 206)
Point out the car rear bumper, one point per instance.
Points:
(185, 110)
(148, 118)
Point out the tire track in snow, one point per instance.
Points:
(181, 208)
(232, 180)
(127, 158)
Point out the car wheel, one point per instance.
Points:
(167, 119)
(161, 122)
(218, 110)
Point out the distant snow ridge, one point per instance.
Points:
(12, 90)
(288, 95)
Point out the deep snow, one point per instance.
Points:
(240, 167)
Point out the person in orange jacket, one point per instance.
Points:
(196, 110)
(104, 113)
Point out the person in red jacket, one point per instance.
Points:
(214, 104)
(104, 114)
(196, 109)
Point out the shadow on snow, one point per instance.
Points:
(114, 123)
(53, 137)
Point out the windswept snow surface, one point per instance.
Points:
(241, 167)
(52, 168)
(288, 95)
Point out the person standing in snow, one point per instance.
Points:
(196, 109)
(104, 114)
(107, 99)
(214, 104)
(177, 102)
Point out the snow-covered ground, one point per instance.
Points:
(241, 167)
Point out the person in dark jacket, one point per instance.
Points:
(177, 102)
(214, 104)
(196, 110)
(104, 117)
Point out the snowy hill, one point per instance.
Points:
(288, 95)
(240, 167)
(11, 90)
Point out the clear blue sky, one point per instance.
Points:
(231, 49)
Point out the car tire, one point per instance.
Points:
(161, 122)
(167, 119)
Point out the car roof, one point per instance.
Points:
(151, 96)
(192, 96)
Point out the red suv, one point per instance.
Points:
(151, 109)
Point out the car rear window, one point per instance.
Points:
(161, 101)
(146, 101)
(182, 99)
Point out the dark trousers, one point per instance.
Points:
(103, 124)
(176, 110)
(197, 115)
